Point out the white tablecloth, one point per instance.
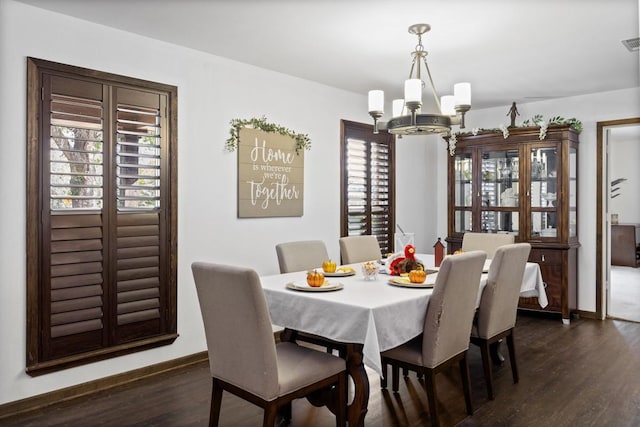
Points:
(373, 313)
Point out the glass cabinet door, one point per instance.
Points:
(499, 191)
(573, 192)
(463, 192)
(544, 167)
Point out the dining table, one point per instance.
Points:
(366, 315)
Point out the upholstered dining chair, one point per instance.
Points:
(359, 249)
(496, 315)
(243, 357)
(487, 242)
(301, 255)
(447, 324)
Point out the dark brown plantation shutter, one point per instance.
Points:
(139, 248)
(74, 254)
(101, 216)
(368, 190)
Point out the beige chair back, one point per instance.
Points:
(359, 249)
(499, 302)
(447, 325)
(237, 327)
(301, 255)
(487, 242)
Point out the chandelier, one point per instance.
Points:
(407, 117)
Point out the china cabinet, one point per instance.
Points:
(525, 186)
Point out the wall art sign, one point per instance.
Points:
(270, 175)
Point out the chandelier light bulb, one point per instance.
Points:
(447, 105)
(462, 93)
(413, 91)
(397, 107)
(376, 101)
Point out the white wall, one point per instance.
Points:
(589, 109)
(211, 92)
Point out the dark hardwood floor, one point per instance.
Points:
(584, 374)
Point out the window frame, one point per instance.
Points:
(38, 188)
(362, 131)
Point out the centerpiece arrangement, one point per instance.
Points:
(399, 264)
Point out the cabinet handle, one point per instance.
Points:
(542, 257)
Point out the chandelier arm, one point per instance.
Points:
(433, 87)
(413, 64)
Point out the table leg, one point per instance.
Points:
(357, 410)
(355, 368)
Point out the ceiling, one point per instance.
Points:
(521, 51)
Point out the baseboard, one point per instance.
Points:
(46, 399)
(587, 314)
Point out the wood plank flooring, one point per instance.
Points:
(583, 374)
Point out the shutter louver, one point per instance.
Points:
(138, 268)
(75, 253)
(76, 275)
(138, 172)
(357, 187)
(138, 158)
(368, 204)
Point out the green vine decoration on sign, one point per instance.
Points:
(302, 140)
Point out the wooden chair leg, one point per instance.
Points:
(486, 365)
(270, 413)
(405, 372)
(466, 383)
(285, 411)
(430, 380)
(383, 379)
(395, 378)
(216, 401)
(341, 404)
(512, 357)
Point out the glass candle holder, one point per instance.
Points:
(370, 270)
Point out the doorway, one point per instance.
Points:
(617, 282)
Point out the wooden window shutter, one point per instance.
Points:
(367, 196)
(101, 251)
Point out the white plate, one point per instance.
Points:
(339, 273)
(306, 288)
(405, 283)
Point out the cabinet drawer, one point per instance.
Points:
(546, 256)
(551, 269)
(552, 278)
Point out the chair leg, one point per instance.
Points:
(395, 378)
(341, 404)
(486, 365)
(285, 411)
(405, 372)
(216, 401)
(512, 357)
(466, 383)
(270, 414)
(383, 378)
(430, 380)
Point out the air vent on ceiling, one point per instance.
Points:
(632, 44)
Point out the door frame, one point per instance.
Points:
(602, 191)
